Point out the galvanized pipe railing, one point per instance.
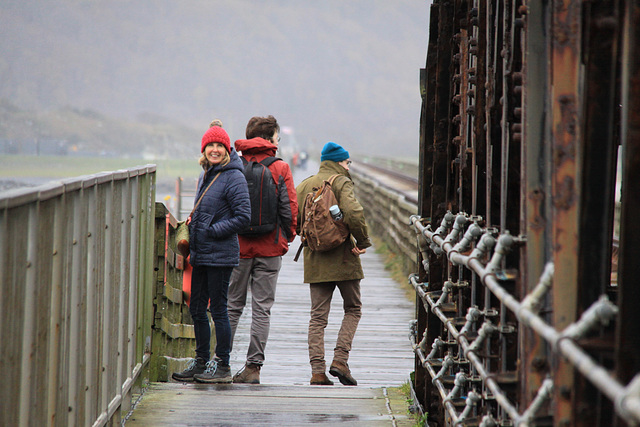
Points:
(468, 351)
(626, 399)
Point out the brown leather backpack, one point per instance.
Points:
(319, 231)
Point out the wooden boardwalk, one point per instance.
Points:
(381, 358)
(381, 353)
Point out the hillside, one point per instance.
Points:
(330, 70)
(69, 131)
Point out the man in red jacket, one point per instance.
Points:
(261, 255)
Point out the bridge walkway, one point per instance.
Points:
(381, 360)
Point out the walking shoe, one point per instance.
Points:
(320, 379)
(215, 373)
(341, 370)
(195, 366)
(249, 374)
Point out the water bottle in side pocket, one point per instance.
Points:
(336, 213)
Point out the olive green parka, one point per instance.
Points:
(340, 263)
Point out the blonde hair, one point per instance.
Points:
(206, 165)
(203, 159)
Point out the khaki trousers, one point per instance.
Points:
(258, 276)
(321, 294)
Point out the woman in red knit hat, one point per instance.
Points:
(222, 209)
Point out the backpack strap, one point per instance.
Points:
(267, 161)
(295, 258)
(332, 178)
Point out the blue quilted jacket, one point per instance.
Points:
(224, 210)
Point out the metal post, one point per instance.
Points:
(628, 330)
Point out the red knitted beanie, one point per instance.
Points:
(216, 134)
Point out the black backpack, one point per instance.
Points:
(264, 197)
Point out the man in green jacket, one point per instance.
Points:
(339, 267)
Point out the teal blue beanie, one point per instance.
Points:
(332, 151)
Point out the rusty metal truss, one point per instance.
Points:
(527, 297)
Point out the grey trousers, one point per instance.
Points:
(321, 294)
(260, 275)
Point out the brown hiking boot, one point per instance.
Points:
(249, 374)
(341, 370)
(320, 379)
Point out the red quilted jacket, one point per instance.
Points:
(264, 246)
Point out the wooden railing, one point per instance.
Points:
(76, 307)
(387, 213)
(173, 334)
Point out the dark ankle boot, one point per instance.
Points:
(216, 372)
(342, 371)
(195, 366)
(320, 379)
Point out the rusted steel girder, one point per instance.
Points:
(566, 132)
(428, 83)
(536, 190)
(478, 78)
(599, 146)
(434, 163)
(628, 329)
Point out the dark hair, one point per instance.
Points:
(262, 127)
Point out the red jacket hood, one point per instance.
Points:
(255, 146)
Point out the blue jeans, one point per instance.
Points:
(211, 284)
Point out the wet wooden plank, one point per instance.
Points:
(174, 404)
